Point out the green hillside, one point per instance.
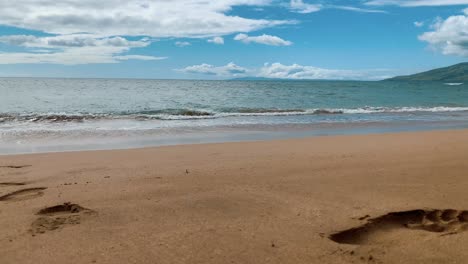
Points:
(455, 73)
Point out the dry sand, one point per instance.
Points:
(252, 202)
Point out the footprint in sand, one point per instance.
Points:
(15, 166)
(446, 222)
(23, 194)
(13, 169)
(56, 217)
(12, 183)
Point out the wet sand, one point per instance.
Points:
(339, 199)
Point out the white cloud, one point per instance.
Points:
(182, 44)
(418, 23)
(155, 18)
(228, 70)
(450, 36)
(138, 57)
(414, 3)
(263, 39)
(358, 9)
(299, 6)
(300, 72)
(216, 40)
(71, 57)
(72, 49)
(70, 41)
(293, 72)
(96, 27)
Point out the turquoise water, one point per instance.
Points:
(34, 111)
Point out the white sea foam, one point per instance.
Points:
(185, 114)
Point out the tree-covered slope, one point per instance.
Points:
(455, 73)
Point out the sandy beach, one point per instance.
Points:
(250, 202)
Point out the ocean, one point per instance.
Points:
(39, 115)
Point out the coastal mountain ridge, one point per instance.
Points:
(454, 73)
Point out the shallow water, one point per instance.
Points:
(36, 114)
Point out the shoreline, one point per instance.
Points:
(207, 135)
(243, 202)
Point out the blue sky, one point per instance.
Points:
(223, 39)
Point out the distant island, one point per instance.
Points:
(455, 73)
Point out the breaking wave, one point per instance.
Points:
(189, 114)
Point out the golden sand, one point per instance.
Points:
(381, 198)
